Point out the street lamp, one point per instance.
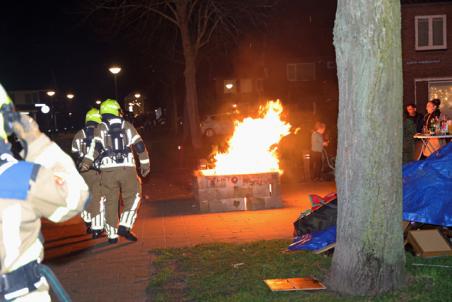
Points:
(98, 102)
(137, 95)
(70, 96)
(50, 93)
(115, 70)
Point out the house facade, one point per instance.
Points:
(294, 61)
(427, 54)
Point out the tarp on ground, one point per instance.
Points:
(315, 240)
(427, 189)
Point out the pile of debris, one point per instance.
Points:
(427, 210)
(315, 230)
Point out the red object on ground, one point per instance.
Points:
(317, 201)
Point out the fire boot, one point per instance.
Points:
(126, 233)
(88, 227)
(96, 233)
(112, 240)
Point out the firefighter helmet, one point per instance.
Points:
(6, 114)
(93, 115)
(110, 106)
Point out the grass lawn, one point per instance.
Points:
(207, 273)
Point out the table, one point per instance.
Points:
(426, 141)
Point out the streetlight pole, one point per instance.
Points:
(51, 94)
(70, 97)
(115, 77)
(115, 70)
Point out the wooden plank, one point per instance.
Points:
(326, 248)
(292, 284)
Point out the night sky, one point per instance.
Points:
(51, 44)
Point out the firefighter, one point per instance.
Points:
(93, 216)
(119, 139)
(45, 184)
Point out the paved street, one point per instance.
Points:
(93, 270)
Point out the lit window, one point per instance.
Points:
(430, 32)
(442, 90)
(246, 85)
(229, 86)
(297, 72)
(260, 85)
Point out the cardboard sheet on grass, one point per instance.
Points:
(429, 243)
(292, 284)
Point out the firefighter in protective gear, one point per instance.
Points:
(119, 139)
(45, 184)
(93, 216)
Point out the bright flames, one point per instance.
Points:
(253, 145)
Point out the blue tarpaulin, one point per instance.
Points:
(315, 241)
(427, 189)
(427, 198)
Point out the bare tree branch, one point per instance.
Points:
(196, 21)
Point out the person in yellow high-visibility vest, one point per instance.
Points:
(93, 216)
(119, 139)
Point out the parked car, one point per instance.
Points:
(218, 124)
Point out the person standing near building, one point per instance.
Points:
(430, 120)
(433, 113)
(45, 184)
(317, 145)
(119, 139)
(93, 216)
(416, 117)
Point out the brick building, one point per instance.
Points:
(427, 58)
(293, 60)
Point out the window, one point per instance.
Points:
(35, 97)
(229, 86)
(260, 85)
(28, 98)
(297, 72)
(430, 32)
(442, 90)
(246, 85)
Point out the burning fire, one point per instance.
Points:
(253, 146)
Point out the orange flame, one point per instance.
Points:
(253, 146)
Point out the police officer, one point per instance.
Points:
(118, 139)
(46, 184)
(93, 216)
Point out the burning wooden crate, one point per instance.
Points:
(220, 193)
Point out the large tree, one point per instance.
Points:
(369, 257)
(197, 21)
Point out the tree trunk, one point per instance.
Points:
(174, 115)
(191, 94)
(174, 120)
(369, 257)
